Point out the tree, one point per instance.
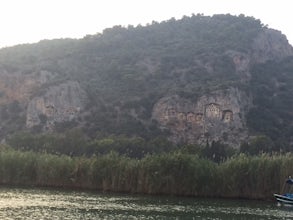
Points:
(259, 144)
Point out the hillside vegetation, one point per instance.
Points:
(126, 70)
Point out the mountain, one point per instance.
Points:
(197, 80)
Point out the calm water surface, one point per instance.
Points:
(54, 204)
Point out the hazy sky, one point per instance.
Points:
(27, 21)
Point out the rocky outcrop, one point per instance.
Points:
(241, 62)
(215, 117)
(220, 115)
(270, 45)
(19, 87)
(60, 103)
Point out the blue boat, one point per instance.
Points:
(286, 196)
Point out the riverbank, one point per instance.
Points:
(242, 176)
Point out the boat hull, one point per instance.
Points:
(284, 199)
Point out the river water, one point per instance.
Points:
(17, 203)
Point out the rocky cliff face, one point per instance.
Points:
(16, 86)
(270, 44)
(43, 104)
(219, 116)
(59, 104)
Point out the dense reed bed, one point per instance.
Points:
(176, 173)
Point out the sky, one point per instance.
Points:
(29, 21)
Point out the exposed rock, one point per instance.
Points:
(215, 117)
(241, 62)
(60, 103)
(19, 87)
(269, 45)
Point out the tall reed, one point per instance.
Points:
(177, 173)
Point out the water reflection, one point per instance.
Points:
(53, 204)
